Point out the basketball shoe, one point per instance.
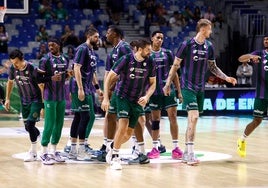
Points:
(241, 148)
(177, 153)
(30, 156)
(46, 160)
(192, 160)
(141, 159)
(153, 154)
(116, 164)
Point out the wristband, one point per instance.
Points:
(97, 86)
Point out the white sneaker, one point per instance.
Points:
(192, 160)
(82, 155)
(109, 156)
(30, 156)
(116, 164)
(57, 157)
(72, 155)
(46, 159)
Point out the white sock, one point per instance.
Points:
(108, 145)
(141, 148)
(53, 148)
(159, 141)
(175, 143)
(243, 137)
(155, 144)
(73, 147)
(86, 143)
(33, 147)
(190, 147)
(69, 142)
(44, 149)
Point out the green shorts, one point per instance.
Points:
(260, 107)
(147, 108)
(159, 102)
(193, 100)
(32, 111)
(130, 110)
(113, 107)
(78, 106)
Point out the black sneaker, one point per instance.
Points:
(103, 147)
(102, 156)
(162, 148)
(67, 149)
(141, 159)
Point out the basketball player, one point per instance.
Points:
(54, 63)
(26, 77)
(163, 59)
(260, 60)
(194, 56)
(85, 62)
(136, 72)
(114, 36)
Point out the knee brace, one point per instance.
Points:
(155, 125)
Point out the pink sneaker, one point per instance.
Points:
(153, 154)
(177, 153)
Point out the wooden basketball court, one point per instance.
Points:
(217, 135)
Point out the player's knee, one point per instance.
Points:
(155, 125)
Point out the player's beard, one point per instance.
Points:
(94, 45)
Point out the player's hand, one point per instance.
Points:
(100, 95)
(81, 94)
(231, 80)
(143, 101)
(56, 77)
(255, 58)
(7, 105)
(105, 105)
(180, 97)
(166, 90)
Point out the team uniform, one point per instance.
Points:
(31, 100)
(163, 60)
(54, 98)
(134, 77)
(87, 58)
(158, 101)
(261, 93)
(118, 51)
(194, 66)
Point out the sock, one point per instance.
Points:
(155, 144)
(141, 148)
(159, 141)
(243, 137)
(53, 148)
(69, 142)
(82, 145)
(73, 148)
(134, 141)
(115, 153)
(105, 141)
(186, 148)
(44, 149)
(108, 145)
(86, 143)
(33, 147)
(190, 147)
(175, 143)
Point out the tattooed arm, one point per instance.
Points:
(217, 72)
